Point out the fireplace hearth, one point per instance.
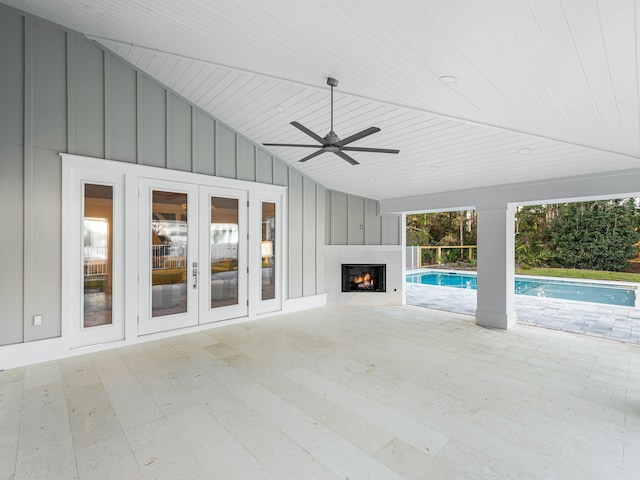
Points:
(363, 278)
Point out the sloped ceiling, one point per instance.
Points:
(545, 88)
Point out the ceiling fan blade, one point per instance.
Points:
(308, 132)
(365, 149)
(357, 136)
(290, 145)
(313, 155)
(346, 157)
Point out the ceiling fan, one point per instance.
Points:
(331, 142)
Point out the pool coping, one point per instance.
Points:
(602, 320)
(632, 285)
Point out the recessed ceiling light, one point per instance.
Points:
(525, 151)
(448, 79)
(280, 108)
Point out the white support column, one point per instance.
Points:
(496, 263)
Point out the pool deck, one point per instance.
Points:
(596, 319)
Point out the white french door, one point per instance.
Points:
(168, 256)
(193, 255)
(223, 254)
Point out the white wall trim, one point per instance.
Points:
(60, 347)
(615, 184)
(21, 354)
(303, 303)
(79, 161)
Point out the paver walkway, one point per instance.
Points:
(596, 319)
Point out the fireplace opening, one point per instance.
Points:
(364, 278)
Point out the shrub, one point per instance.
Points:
(599, 235)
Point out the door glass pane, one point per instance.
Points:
(223, 251)
(268, 250)
(168, 253)
(98, 254)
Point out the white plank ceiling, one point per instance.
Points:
(556, 77)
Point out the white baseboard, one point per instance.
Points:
(303, 303)
(21, 354)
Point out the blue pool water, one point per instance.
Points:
(624, 295)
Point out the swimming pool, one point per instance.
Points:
(624, 295)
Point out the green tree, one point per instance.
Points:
(532, 235)
(597, 235)
(418, 230)
(442, 228)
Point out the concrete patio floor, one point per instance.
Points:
(595, 319)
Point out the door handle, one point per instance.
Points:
(194, 273)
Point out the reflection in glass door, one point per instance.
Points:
(267, 218)
(267, 250)
(169, 247)
(97, 253)
(223, 251)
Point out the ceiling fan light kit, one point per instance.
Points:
(331, 142)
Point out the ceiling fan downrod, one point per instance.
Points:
(333, 83)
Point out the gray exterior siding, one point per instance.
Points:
(226, 159)
(246, 160)
(309, 223)
(264, 167)
(204, 144)
(152, 124)
(63, 93)
(120, 99)
(12, 92)
(295, 246)
(86, 99)
(47, 60)
(354, 220)
(179, 138)
(12, 251)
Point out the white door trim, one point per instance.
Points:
(131, 174)
(260, 306)
(73, 260)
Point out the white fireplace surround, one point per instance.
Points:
(390, 255)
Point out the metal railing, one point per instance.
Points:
(94, 267)
(164, 256)
(95, 260)
(169, 256)
(416, 255)
(223, 251)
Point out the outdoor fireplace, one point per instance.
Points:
(364, 278)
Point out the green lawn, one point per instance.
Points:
(573, 273)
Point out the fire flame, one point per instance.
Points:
(363, 279)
